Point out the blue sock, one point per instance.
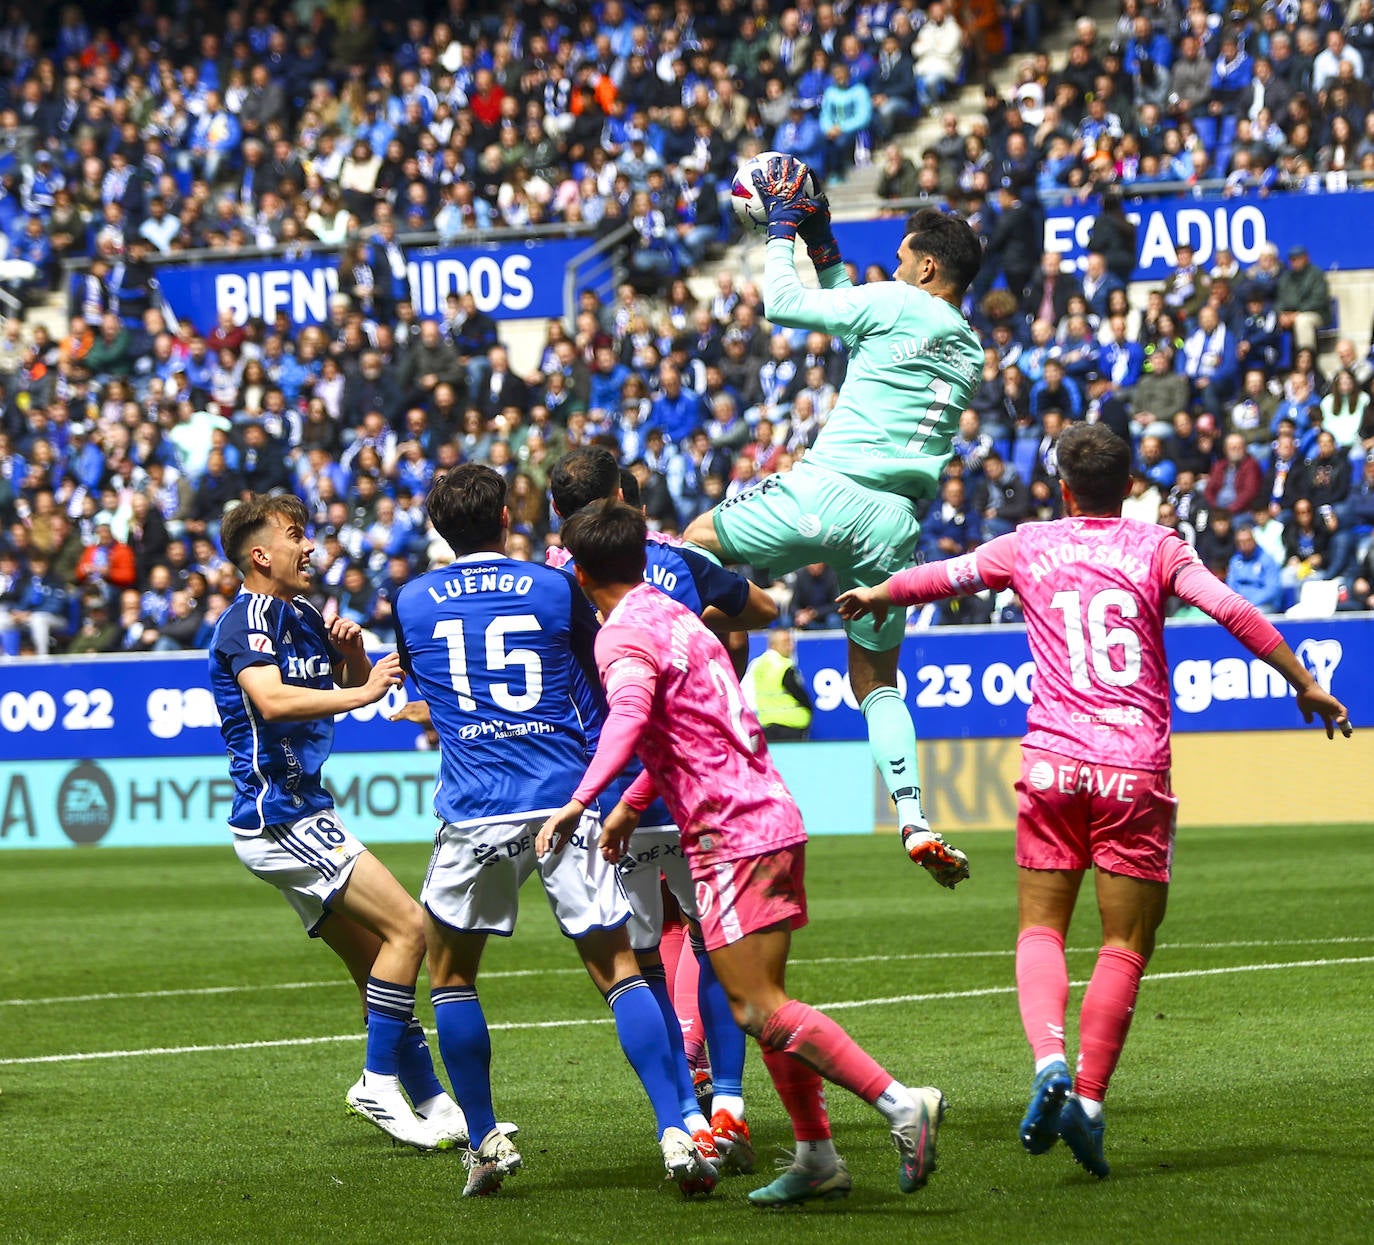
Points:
(415, 1067)
(465, 1046)
(389, 1011)
(657, 978)
(725, 1041)
(639, 1026)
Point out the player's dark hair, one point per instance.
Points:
(950, 242)
(629, 488)
(241, 524)
(465, 507)
(606, 540)
(1096, 465)
(582, 476)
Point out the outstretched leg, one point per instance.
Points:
(752, 972)
(892, 738)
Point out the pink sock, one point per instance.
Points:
(802, 1092)
(820, 1043)
(1106, 1018)
(669, 949)
(1042, 988)
(684, 988)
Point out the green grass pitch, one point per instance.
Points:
(1241, 1111)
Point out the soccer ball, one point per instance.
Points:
(744, 198)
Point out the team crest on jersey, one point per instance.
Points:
(260, 643)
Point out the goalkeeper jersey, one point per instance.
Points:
(914, 365)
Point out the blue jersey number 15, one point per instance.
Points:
(498, 658)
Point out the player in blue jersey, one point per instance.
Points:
(274, 663)
(728, 603)
(502, 652)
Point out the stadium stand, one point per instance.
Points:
(361, 131)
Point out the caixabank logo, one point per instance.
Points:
(86, 804)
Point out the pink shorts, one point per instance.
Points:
(1074, 813)
(740, 897)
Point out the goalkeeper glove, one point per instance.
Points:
(816, 232)
(780, 190)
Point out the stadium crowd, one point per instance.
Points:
(349, 126)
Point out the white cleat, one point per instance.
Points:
(685, 1165)
(448, 1126)
(946, 864)
(378, 1100)
(490, 1164)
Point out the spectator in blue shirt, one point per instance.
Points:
(801, 135)
(846, 110)
(677, 410)
(1056, 392)
(215, 138)
(952, 526)
(1253, 573)
(1231, 72)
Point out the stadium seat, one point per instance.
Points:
(1206, 130)
(1023, 457)
(1317, 598)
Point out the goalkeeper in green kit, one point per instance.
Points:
(914, 364)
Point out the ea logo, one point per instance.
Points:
(86, 804)
(706, 899)
(809, 526)
(1041, 775)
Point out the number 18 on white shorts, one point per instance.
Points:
(308, 860)
(475, 874)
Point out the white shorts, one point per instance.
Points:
(307, 860)
(655, 850)
(474, 877)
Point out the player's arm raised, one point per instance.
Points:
(988, 566)
(1190, 581)
(836, 308)
(284, 702)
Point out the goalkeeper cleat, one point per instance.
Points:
(704, 1089)
(1040, 1127)
(800, 1184)
(448, 1126)
(947, 865)
(732, 1140)
(915, 1141)
(490, 1164)
(1083, 1137)
(378, 1100)
(684, 1163)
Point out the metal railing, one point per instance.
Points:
(595, 268)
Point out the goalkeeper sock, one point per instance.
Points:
(892, 739)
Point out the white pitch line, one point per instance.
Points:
(87, 1056)
(500, 974)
